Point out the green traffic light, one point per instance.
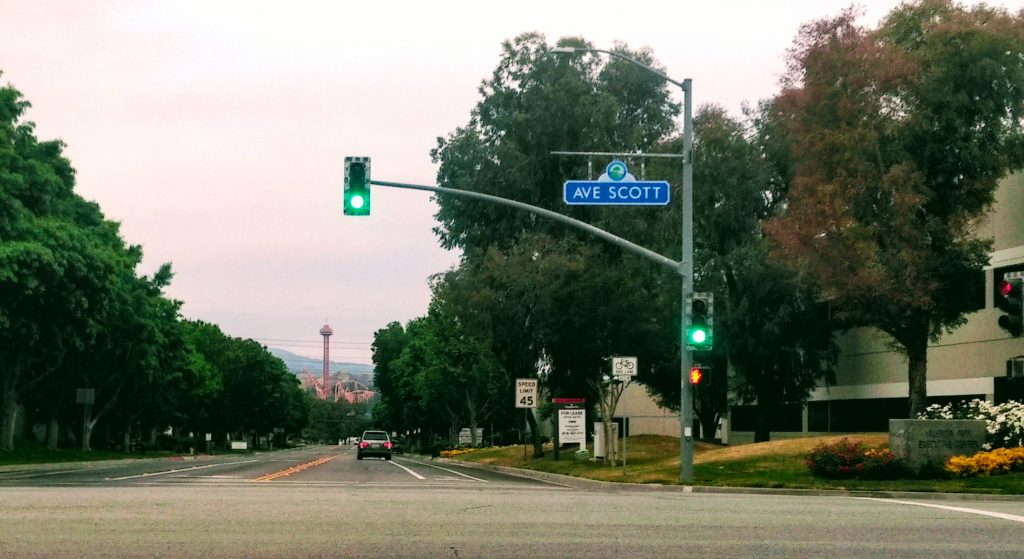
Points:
(698, 336)
(357, 186)
(698, 331)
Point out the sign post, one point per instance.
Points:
(526, 398)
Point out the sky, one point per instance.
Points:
(215, 131)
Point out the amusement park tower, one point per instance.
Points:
(326, 333)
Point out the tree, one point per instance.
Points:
(535, 103)
(898, 136)
(57, 258)
(388, 343)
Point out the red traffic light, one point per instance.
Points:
(1006, 288)
(696, 375)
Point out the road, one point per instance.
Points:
(322, 502)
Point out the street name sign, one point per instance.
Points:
(526, 393)
(616, 187)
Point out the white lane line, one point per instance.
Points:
(451, 471)
(151, 474)
(1002, 515)
(57, 472)
(414, 474)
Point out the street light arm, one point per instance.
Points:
(571, 50)
(597, 232)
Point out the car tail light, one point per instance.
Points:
(387, 444)
(363, 444)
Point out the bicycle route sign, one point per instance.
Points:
(624, 367)
(616, 187)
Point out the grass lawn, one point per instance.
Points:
(777, 464)
(35, 453)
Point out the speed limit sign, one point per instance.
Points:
(624, 366)
(526, 393)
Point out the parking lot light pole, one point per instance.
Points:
(685, 262)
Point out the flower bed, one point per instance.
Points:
(457, 452)
(847, 459)
(1005, 421)
(998, 461)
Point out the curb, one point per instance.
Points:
(91, 464)
(593, 484)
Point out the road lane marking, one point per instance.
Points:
(451, 471)
(55, 473)
(414, 474)
(295, 469)
(151, 474)
(1002, 515)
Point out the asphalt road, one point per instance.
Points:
(322, 502)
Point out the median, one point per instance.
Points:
(781, 464)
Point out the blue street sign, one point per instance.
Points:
(597, 193)
(616, 187)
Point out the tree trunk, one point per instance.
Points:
(53, 431)
(127, 444)
(708, 425)
(8, 416)
(611, 443)
(471, 410)
(917, 375)
(763, 433)
(87, 425)
(538, 447)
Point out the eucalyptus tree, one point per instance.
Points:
(534, 103)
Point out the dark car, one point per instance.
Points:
(374, 443)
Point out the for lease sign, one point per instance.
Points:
(572, 426)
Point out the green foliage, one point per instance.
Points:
(75, 313)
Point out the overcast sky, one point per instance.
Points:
(215, 131)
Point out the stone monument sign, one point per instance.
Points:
(921, 442)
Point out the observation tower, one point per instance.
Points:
(326, 333)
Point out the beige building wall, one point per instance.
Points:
(645, 416)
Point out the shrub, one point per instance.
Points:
(998, 461)
(847, 459)
(1005, 422)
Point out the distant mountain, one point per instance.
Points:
(296, 363)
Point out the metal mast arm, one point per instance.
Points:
(615, 240)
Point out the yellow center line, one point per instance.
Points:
(295, 469)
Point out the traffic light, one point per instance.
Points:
(1009, 300)
(699, 332)
(696, 375)
(357, 186)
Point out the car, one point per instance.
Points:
(374, 443)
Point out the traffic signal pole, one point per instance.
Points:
(684, 267)
(686, 271)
